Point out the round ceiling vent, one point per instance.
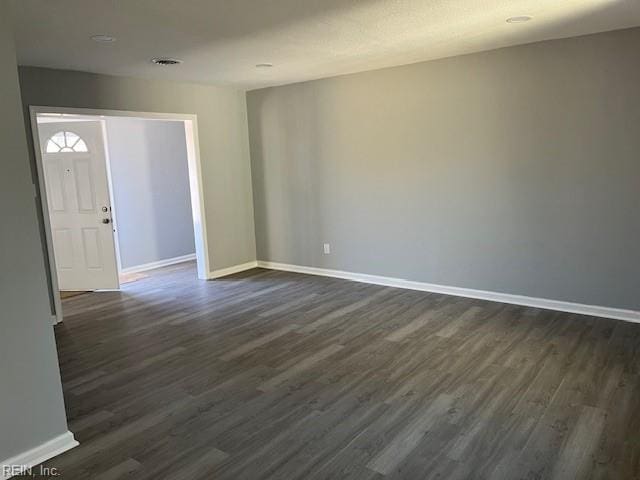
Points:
(165, 61)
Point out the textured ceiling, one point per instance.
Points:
(221, 41)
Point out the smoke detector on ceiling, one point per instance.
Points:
(165, 61)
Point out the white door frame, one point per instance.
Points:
(195, 182)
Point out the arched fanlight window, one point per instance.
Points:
(65, 142)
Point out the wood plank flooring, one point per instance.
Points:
(278, 375)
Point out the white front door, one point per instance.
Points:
(75, 174)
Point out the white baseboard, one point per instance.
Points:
(160, 263)
(15, 465)
(579, 308)
(234, 269)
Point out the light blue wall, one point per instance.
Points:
(150, 178)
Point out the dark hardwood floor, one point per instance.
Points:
(270, 374)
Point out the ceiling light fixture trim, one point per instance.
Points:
(102, 38)
(166, 61)
(519, 19)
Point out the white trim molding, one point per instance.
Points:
(544, 303)
(195, 184)
(160, 263)
(223, 272)
(24, 461)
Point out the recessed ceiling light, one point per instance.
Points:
(264, 65)
(520, 19)
(103, 38)
(164, 61)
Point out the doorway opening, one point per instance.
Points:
(121, 194)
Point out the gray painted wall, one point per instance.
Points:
(224, 147)
(223, 138)
(150, 178)
(515, 171)
(31, 405)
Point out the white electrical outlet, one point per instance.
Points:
(327, 248)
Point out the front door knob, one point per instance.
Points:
(105, 220)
